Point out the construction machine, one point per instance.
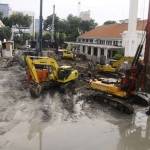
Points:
(68, 54)
(44, 72)
(114, 66)
(121, 92)
(129, 89)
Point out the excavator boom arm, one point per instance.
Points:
(45, 61)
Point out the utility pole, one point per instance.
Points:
(53, 27)
(147, 47)
(40, 28)
(147, 55)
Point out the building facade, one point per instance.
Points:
(85, 15)
(5, 9)
(103, 42)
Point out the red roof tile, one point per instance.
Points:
(112, 30)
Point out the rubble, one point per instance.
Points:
(53, 111)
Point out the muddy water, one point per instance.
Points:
(56, 121)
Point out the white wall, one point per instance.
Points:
(131, 42)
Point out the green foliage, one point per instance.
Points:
(48, 22)
(20, 20)
(5, 33)
(20, 39)
(70, 28)
(7, 22)
(73, 27)
(109, 22)
(47, 36)
(17, 19)
(87, 25)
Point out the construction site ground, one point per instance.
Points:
(63, 121)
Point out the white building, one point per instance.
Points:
(103, 42)
(85, 15)
(5, 9)
(132, 36)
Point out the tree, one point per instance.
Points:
(7, 22)
(20, 39)
(20, 21)
(70, 28)
(109, 22)
(73, 27)
(87, 25)
(48, 22)
(5, 33)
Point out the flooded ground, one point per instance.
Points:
(64, 122)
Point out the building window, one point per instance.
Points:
(83, 40)
(115, 43)
(95, 41)
(87, 40)
(83, 49)
(108, 42)
(102, 42)
(95, 51)
(109, 54)
(91, 40)
(89, 50)
(102, 51)
(120, 43)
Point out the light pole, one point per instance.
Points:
(53, 28)
(40, 28)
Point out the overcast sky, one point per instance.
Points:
(101, 10)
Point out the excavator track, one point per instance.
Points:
(124, 105)
(121, 105)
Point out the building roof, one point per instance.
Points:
(112, 30)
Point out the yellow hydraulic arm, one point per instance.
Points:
(32, 61)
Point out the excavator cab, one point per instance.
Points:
(66, 73)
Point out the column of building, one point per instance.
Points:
(81, 49)
(86, 50)
(98, 54)
(106, 54)
(92, 51)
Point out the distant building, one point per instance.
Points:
(103, 42)
(5, 9)
(85, 15)
(37, 25)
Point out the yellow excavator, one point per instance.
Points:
(68, 54)
(120, 92)
(114, 65)
(45, 71)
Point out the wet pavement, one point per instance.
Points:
(58, 121)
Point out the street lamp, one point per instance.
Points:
(40, 27)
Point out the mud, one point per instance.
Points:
(60, 121)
